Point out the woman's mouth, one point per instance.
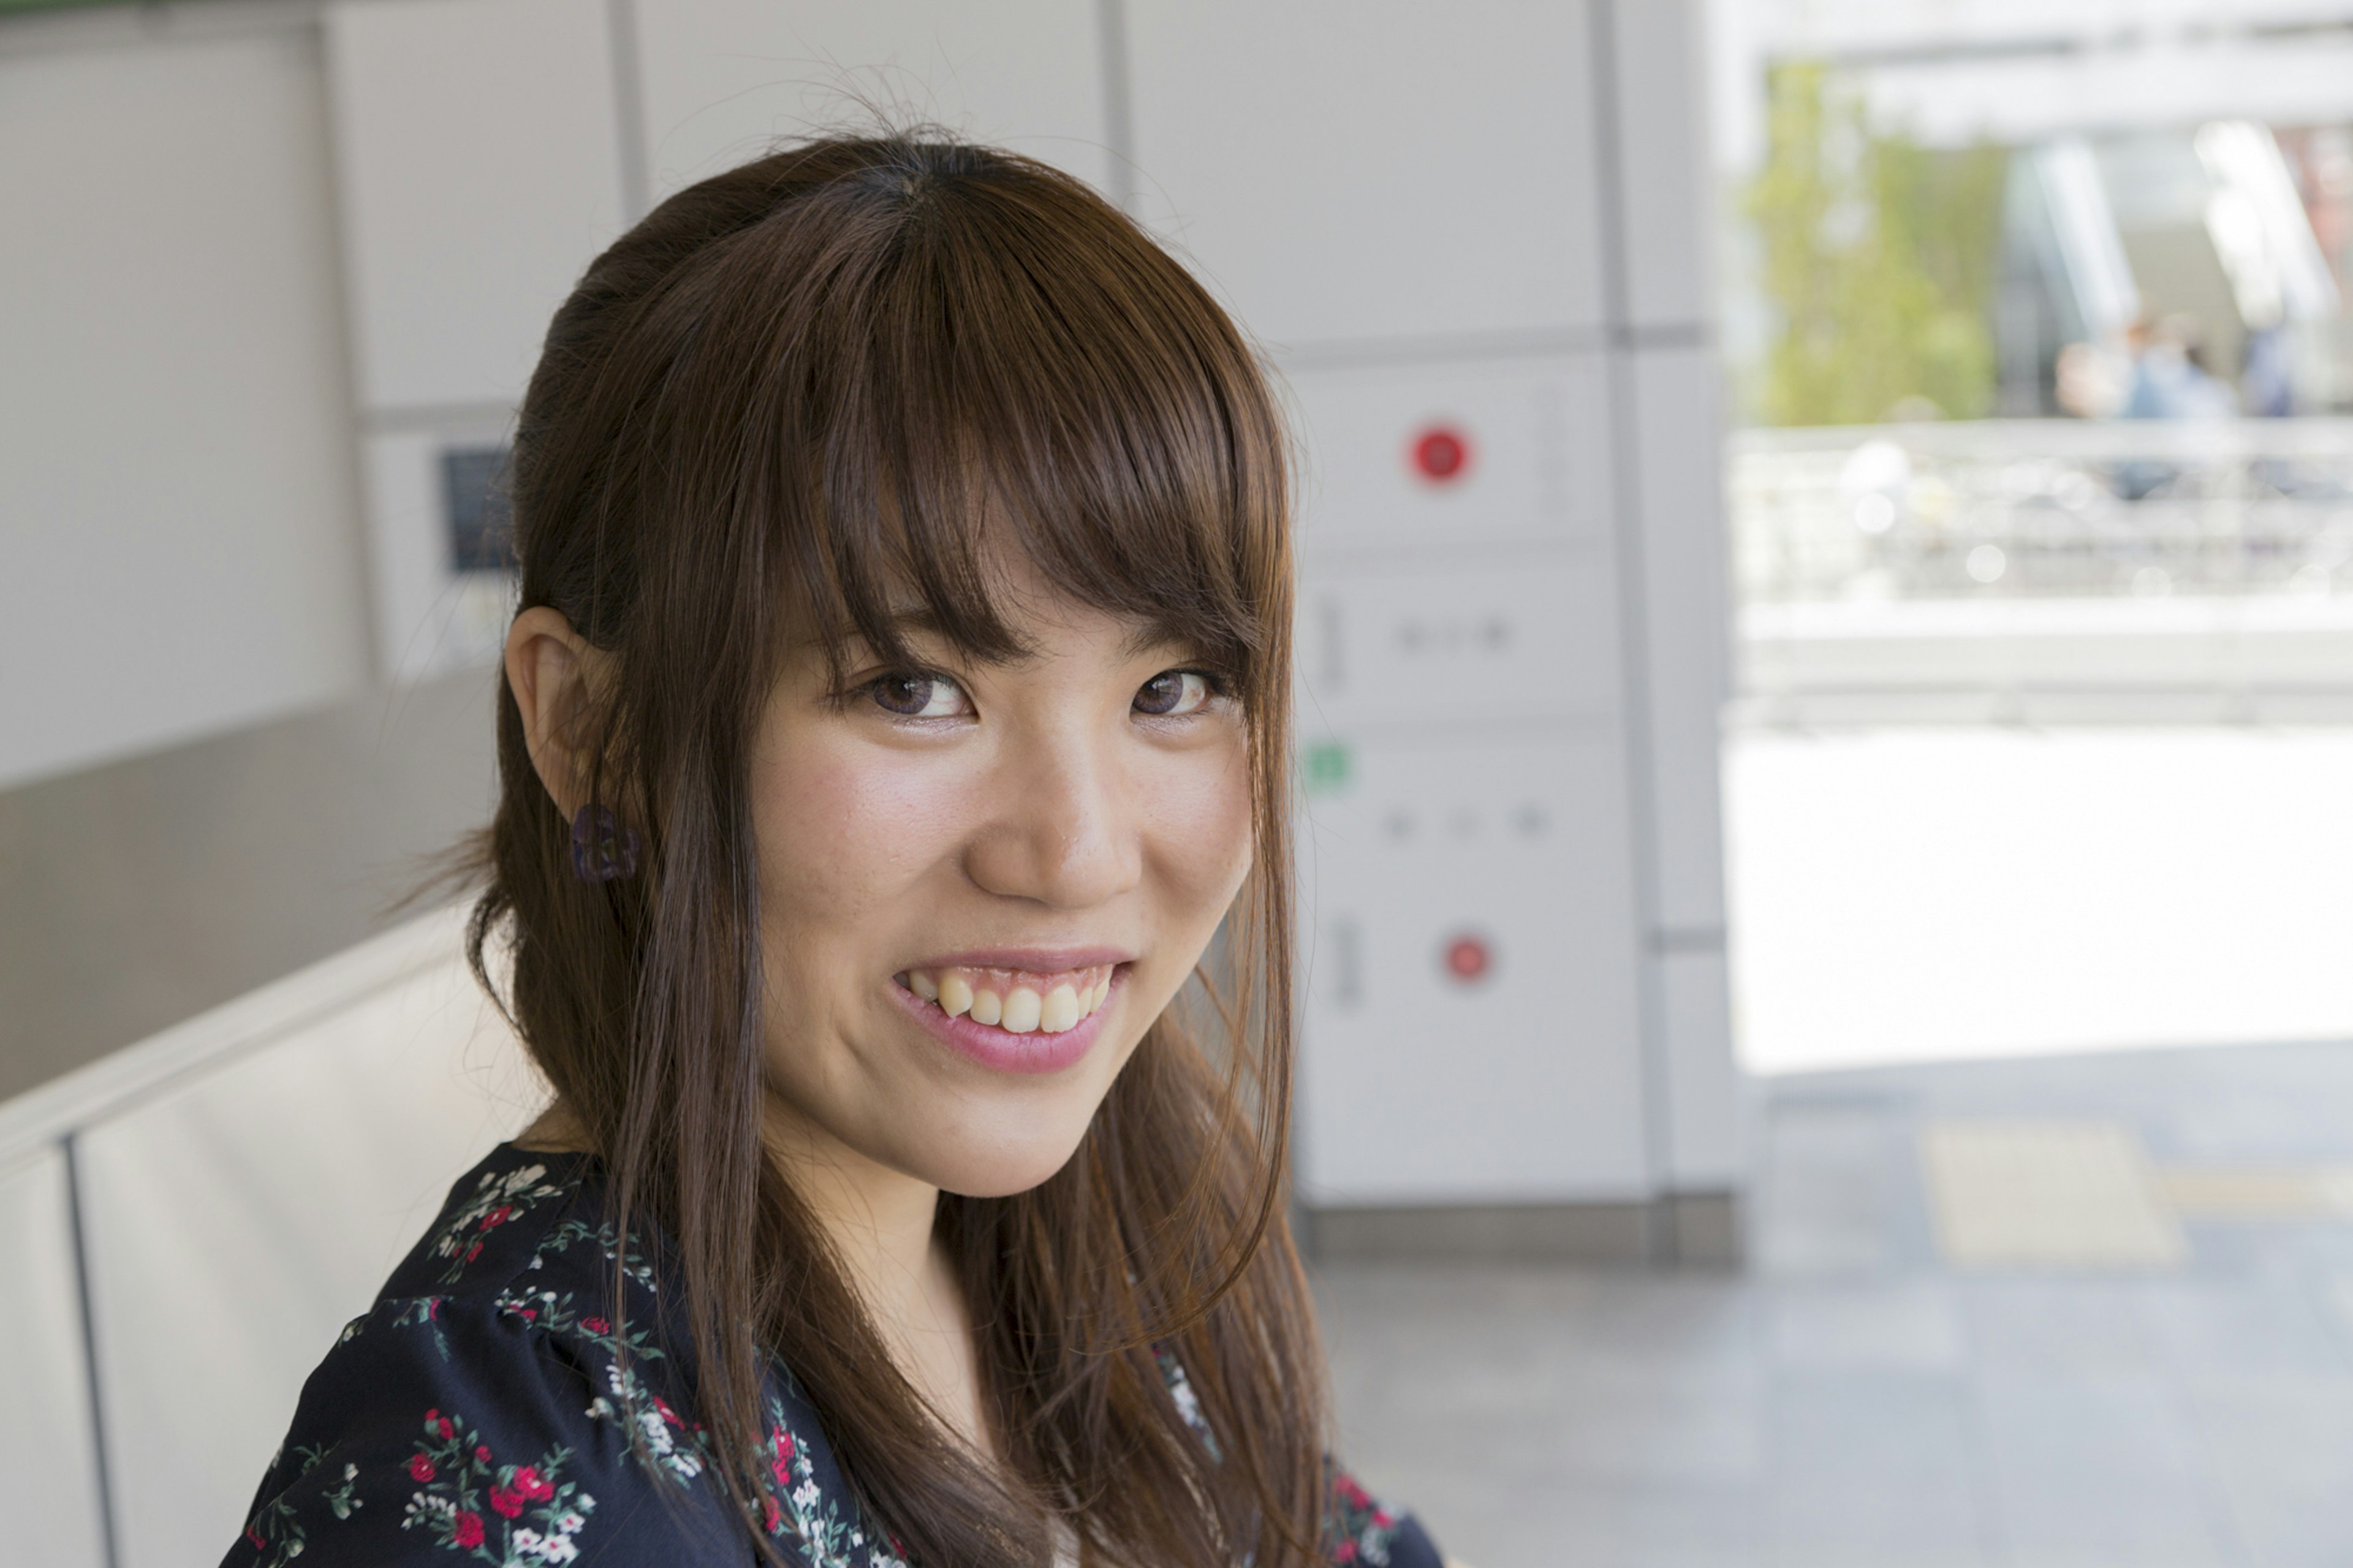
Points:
(1017, 1001)
(1014, 1020)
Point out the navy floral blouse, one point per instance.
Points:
(481, 1413)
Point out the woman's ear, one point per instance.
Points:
(551, 669)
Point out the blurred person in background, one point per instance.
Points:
(2170, 378)
(2267, 379)
(2161, 374)
(898, 704)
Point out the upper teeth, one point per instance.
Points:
(1015, 1000)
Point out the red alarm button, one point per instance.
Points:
(1468, 959)
(1441, 454)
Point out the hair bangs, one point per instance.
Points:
(1021, 399)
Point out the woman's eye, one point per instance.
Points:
(1172, 692)
(920, 696)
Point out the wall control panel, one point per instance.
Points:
(1472, 1022)
(1471, 991)
(1504, 642)
(1452, 458)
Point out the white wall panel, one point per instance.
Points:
(237, 1221)
(1363, 170)
(478, 158)
(49, 1488)
(428, 617)
(1423, 1084)
(1515, 641)
(725, 78)
(1530, 441)
(178, 510)
(1705, 1109)
(1667, 185)
(1677, 400)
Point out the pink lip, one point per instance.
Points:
(1000, 1049)
(1036, 959)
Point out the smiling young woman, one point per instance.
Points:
(899, 705)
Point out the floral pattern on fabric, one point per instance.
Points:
(795, 1505)
(1188, 1403)
(458, 1475)
(1357, 1529)
(673, 1445)
(276, 1531)
(574, 1444)
(498, 1199)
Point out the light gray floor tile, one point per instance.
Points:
(2233, 1331)
(1840, 1190)
(1474, 1425)
(1629, 1320)
(2143, 1523)
(2284, 1457)
(1503, 1518)
(2056, 1328)
(2278, 1435)
(1824, 1521)
(2297, 1532)
(1655, 1426)
(2102, 1471)
(1642, 1524)
(1909, 1324)
(2121, 1428)
(1893, 1428)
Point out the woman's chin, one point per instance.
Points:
(998, 1170)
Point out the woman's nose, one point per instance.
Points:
(1061, 829)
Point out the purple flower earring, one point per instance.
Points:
(604, 848)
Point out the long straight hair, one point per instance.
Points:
(796, 396)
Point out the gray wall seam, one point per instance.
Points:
(629, 109)
(1634, 622)
(78, 1221)
(1119, 103)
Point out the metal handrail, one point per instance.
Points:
(2011, 508)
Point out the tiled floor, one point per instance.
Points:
(1850, 1400)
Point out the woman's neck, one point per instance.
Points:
(880, 1223)
(878, 1219)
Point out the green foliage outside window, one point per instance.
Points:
(1879, 257)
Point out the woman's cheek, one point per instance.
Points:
(850, 826)
(1202, 818)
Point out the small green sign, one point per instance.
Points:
(1328, 765)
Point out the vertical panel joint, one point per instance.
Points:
(76, 1215)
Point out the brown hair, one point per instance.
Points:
(796, 396)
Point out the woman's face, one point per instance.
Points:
(980, 882)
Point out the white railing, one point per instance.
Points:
(186, 1223)
(2043, 508)
(1991, 567)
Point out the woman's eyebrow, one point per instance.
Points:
(919, 630)
(1155, 637)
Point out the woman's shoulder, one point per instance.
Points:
(519, 1213)
(1359, 1529)
(493, 1403)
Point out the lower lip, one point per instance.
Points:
(1001, 1050)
